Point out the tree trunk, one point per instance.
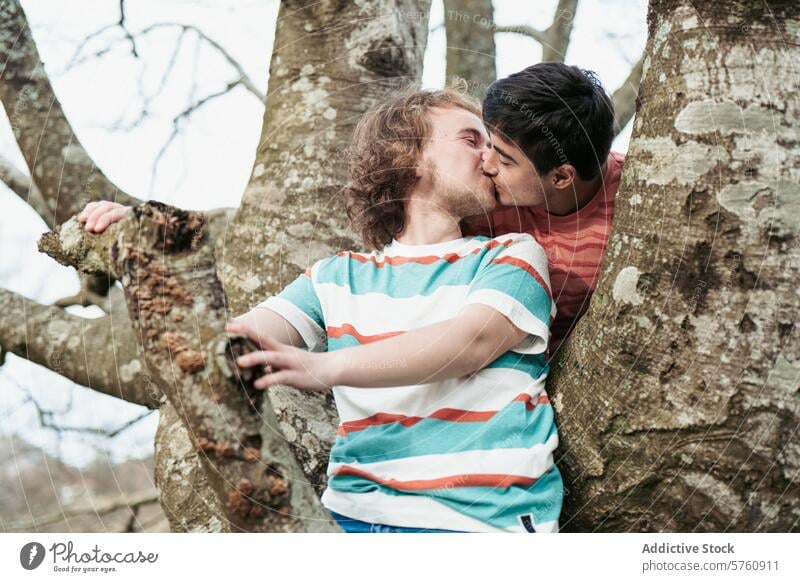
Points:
(469, 25)
(677, 395)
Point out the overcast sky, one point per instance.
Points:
(208, 164)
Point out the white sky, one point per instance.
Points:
(208, 165)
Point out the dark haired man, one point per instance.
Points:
(551, 127)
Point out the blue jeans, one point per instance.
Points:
(350, 525)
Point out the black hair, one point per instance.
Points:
(556, 114)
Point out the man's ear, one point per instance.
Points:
(564, 176)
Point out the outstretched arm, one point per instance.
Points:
(440, 351)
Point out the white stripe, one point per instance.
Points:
(488, 389)
(402, 511)
(433, 250)
(312, 334)
(531, 462)
(376, 313)
(518, 314)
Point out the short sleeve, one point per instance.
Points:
(515, 281)
(299, 304)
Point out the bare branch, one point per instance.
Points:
(539, 36)
(554, 40)
(624, 97)
(65, 174)
(46, 417)
(178, 120)
(124, 28)
(100, 353)
(242, 75)
(97, 506)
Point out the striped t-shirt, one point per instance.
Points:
(575, 245)
(473, 453)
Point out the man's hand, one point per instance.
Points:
(286, 364)
(98, 215)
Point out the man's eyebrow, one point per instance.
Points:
(471, 131)
(502, 152)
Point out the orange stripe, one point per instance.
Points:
(348, 329)
(587, 264)
(546, 237)
(588, 235)
(426, 260)
(466, 480)
(577, 247)
(527, 268)
(448, 414)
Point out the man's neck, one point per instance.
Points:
(427, 224)
(582, 194)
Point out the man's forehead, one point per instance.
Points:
(498, 137)
(449, 118)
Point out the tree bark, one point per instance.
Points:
(677, 395)
(469, 26)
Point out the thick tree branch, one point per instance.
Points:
(624, 97)
(558, 34)
(98, 353)
(63, 171)
(22, 186)
(164, 258)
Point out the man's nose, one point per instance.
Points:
(488, 163)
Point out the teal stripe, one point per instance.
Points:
(512, 427)
(535, 365)
(517, 283)
(302, 295)
(339, 343)
(496, 506)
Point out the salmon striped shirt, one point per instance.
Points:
(471, 454)
(575, 245)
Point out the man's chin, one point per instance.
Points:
(500, 198)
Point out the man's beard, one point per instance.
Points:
(456, 198)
